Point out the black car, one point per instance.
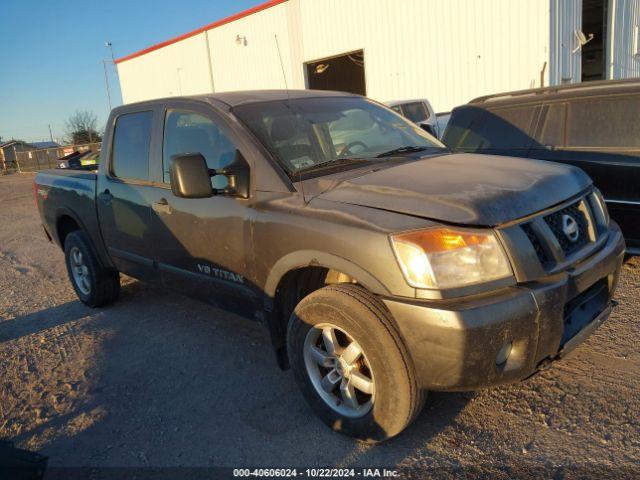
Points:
(595, 126)
(80, 160)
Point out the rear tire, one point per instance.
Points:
(381, 379)
(94, 284)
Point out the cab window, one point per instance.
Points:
(189, 132)
(131, 145)
(415, 111)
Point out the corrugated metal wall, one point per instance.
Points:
(177, 69)
(565, 65)
(254, 61)
(623, 54)
(449, 51)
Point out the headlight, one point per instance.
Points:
(447, 257)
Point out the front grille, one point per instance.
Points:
(556, 224)
(561, 234)
(535, 241)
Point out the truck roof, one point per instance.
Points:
(233, 99)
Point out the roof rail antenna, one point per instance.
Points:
(284, 76)
(286, 87)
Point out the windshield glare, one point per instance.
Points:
(304, 133)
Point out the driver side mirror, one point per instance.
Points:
(429, 129)
(191, 177)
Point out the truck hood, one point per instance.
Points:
(466, 189)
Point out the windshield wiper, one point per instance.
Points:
(397, 151)
(332, 163)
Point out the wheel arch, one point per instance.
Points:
(67, 221)
(300, 273)
(314, 258)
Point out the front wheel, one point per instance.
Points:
(350, 363)
(94, 284)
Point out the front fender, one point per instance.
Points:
(313, 258)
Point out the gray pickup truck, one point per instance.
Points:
(383, 265)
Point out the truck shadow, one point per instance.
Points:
(41, 321)
(176, 382)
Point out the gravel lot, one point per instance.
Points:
(160, 380)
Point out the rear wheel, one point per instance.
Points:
(94, 284)
(350, 363)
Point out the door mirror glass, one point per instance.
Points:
(190, 177)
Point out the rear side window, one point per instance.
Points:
(131, 145)
(460, 122)
(415, 111)
(552, 133)
(604, 122)
(507, 128)
(473, 128)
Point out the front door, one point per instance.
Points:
(203, 245)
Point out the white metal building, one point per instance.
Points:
(448, 51)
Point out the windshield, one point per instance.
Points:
(313, 133)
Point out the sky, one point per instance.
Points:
(51, 54)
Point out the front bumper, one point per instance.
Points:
(454, 343)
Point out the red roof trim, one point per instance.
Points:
(232, 18)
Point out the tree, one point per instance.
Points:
(82, 128)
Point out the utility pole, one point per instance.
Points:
(109, 45)
(106, 82)
(50, 134)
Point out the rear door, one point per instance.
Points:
(601, 135)
(125, 191)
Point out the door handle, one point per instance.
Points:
(105, 197)
(161, 206)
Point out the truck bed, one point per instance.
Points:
(68, 193)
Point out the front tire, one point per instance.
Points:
(351, 364)
(94, 284)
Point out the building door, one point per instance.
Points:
(344, 73)
(594, 27)
(565, 65)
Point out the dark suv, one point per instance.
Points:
(594, 126)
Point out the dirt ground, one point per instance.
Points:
(160, 380)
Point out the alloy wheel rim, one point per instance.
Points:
(79, 270)
(339, 370)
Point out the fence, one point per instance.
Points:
(41, 159)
